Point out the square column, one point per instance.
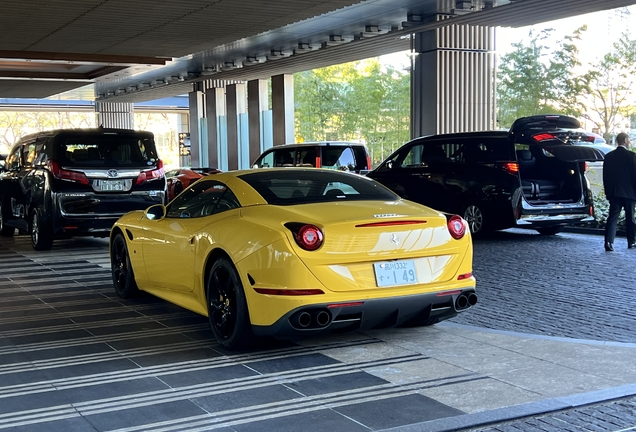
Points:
(283, 109)
(453, 80)
(257, 102)
(215, 111)
(236, 104)
(115, 115)
(196, 114)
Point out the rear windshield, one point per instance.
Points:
(117, 150)
(296, 186)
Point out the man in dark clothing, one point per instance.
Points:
(619, 182)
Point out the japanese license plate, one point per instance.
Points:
(111, 185)
(392, 273)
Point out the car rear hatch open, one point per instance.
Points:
(557, 135)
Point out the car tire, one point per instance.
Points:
(121, 268)
(41, 233)
(474, 215)
(5, 231)
(178, 188)
(227, 307)
(547, 231)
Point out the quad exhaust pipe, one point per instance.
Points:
(313, 319)
(464, 301)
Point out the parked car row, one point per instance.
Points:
(294, 250)
(532, 176)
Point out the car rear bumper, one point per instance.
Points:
(94, 214)
(553, 219)
(414, 310)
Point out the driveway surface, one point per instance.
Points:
(550, 346)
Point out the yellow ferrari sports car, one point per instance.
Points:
(293, 251)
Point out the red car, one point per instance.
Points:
(179, 179)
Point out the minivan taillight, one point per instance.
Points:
(509, 167)
(64, 174)
(543, 137)
(151, 174)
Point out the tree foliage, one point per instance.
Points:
(612, 79)
(535, 79)
(15, 124)
(359, 101)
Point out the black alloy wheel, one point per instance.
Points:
(178, 188)
(227, 307)
(121, 269)
(474, 216)
(41, 233)
(5, 231)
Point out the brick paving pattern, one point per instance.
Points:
(565, 286)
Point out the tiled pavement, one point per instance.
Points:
(74, 357)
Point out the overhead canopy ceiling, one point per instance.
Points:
(139, 50)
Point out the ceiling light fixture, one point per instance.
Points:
(278, 54)
(371, 31)
(412, 21)
(254, 60)
(462, 7)
(334, 40)
(304, 47)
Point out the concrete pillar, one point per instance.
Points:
(257, 102)
(236, 103)
(283, 109)
(453, 80)
(183, 138)
(213, 97)
(196, 100)
(115, 115)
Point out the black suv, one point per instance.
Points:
(339, 155)
(531, 176)
(65, 183)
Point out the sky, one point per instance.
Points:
(603, 29)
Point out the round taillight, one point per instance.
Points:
(456, 227)
(309, 237)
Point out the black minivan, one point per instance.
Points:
(531, 176)
(77, 182)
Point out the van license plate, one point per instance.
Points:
(111, 185)
(392, 273)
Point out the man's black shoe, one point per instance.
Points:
(609, 247)
(631, 246)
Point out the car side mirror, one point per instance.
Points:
(155, 212)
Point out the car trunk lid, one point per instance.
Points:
(362, 238)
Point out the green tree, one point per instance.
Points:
(533, 79)
(612, 81)
(359, 101)
(13, 125)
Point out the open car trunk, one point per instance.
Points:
(554, 173)
(551, 166)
